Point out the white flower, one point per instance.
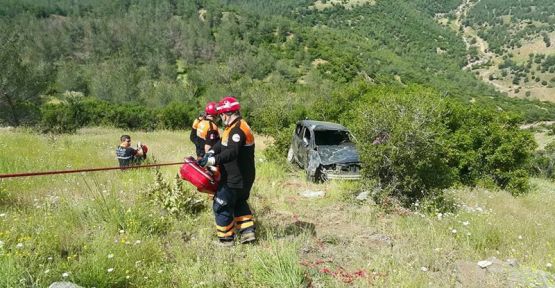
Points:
(424, 269)
(110, 270)
(46, 271)
(519, 237)
(127, 277)
(65, 274)
(121, 231)
(548, 265)
(19, 246)
(3, 215)
(439, 216)
(110, 256)
(50, 258)
(160, 271)
(465, 223)
(137, 242)
(454, 231)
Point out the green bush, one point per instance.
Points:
(414, 143)
(543, 162)
(401, 141)
(277, 151)
(487, 144)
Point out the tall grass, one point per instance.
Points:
(104, 230)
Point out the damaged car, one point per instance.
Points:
(325, 151)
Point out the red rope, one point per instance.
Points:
(83, 170)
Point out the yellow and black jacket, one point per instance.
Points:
(207, 132)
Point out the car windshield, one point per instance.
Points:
(331, 137)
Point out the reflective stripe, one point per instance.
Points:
(245, 225)
(244, 218)
(125, 158)
(225, 228)
(227, 234)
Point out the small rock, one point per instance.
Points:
(512, 262)
(64, 285)
(363, 196)
(312, 194)
(484, 263)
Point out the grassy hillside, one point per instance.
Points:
(156, 54)
(509, 44)
(106, 229)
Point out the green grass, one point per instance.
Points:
(105, 231)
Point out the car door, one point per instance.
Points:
(304, 146)
(296, 140)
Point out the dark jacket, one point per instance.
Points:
(234, 153)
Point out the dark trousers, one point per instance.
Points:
(232, 212)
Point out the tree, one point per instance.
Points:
(20, 86)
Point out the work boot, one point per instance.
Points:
(221, 243)
(247, 237)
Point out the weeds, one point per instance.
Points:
(173, 197)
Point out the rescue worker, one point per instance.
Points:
(234, 154)
(127, 155)
(207, 130)
(199, 149)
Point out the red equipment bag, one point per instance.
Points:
(199, 176)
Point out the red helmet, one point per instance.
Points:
(211, 109)
(228, 104)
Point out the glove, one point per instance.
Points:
(207, 160)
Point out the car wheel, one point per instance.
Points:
(316, 178)
(290, 156)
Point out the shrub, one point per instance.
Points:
(413, 143)
(65, 117)
(485, 144)
(400, 137)
(175, 116)
(277, 151)
(543, 162)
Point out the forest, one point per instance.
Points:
(154, 64)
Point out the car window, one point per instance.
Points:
(306, 135)
(298, 130)
(331, 137)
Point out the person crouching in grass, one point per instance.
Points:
(127, 155)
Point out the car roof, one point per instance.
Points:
(321, 125)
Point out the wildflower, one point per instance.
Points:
(548, 265)
(110, 270)
(160, 271)
(46, 271)
(137, 242)
(439, 216)
(19, 246)
(50, 258)
(465, 223)
(3, 215)
(519, 237)
(110, 256)
(127, 277)
(121, 231)
(454, 231)
(65, 274)
(424, 269)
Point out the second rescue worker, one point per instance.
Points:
(207, 130)
(235, 156)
